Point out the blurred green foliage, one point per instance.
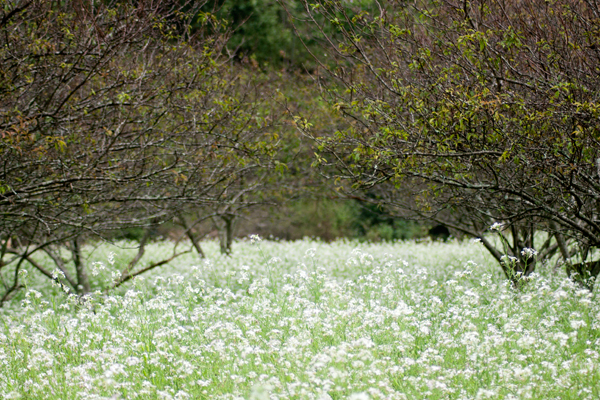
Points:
(374, 223)
(330, 219)
(272, 33)
(262, 32)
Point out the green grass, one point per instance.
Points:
(306, 320)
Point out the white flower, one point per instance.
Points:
(111, 258)
(274, 260)
(97, 267)
(485, 394)
(324, 396)
(254, 239)
(522, 373)
(528, 252)
(506, 259)
(576, 324)
(58, 273)
(132, 361)
(261, 392)
(35, 293)
(359, 396)
(181, 395)
(311, 252)
(496, 226)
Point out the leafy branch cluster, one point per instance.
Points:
(471, 112)
(115, 115)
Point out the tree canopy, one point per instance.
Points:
(474, 112)
(118, 114)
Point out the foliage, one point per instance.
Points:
(271, 33)
(261, 34)
(468, 113)
(116, 114)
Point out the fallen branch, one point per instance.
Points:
(128, 276)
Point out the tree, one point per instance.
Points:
(114, 114)
(475, 112)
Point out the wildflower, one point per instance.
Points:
(131, 361)
(522, 373)
(359, 396)
(508, 260)
(274, 260)
(324, 396)
(261, 392)
(254, 239)
(368, 322)
(496, 226)
(576, 324)
(97, 267)
(485, 394)
(528, 252)
(58, 273)
(35, 293)
(111, 258)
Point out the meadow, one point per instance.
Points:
(305, 320)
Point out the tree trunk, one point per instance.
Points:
(584, 273)
(190, 234)
(83, 283)
(226, 234)
(140, 253)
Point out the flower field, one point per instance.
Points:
(306, 320)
